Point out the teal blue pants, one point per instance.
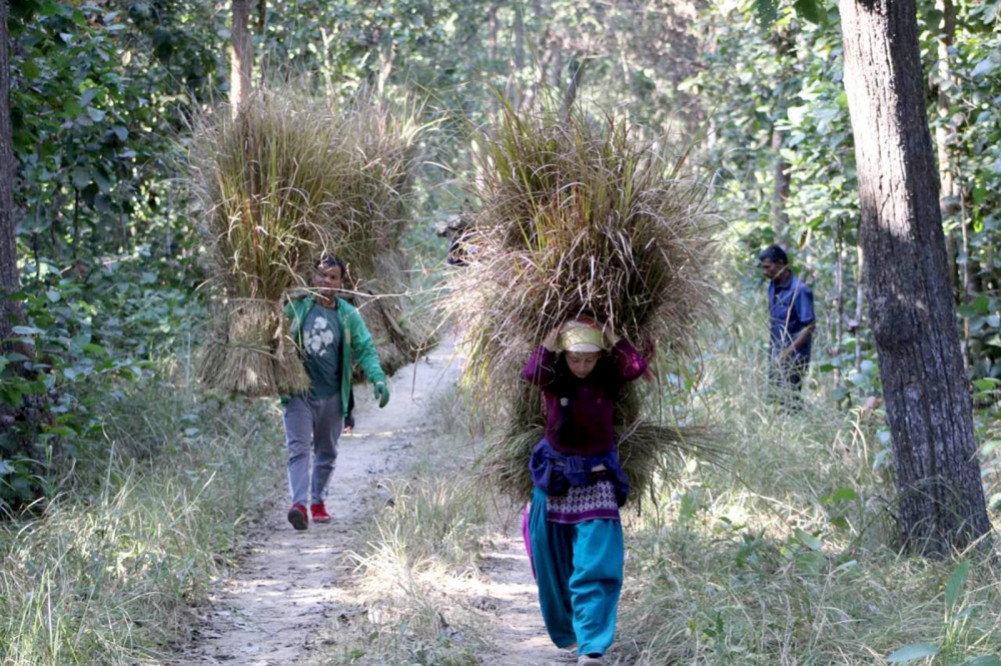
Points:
(579, 572)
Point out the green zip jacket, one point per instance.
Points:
(355, 340)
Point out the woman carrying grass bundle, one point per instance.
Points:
(573, 523)
(328, 332)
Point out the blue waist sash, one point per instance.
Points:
(554, 472)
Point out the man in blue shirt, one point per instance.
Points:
(790, 306)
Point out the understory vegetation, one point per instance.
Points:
(113, 569)
(785, 553)
(780, 554)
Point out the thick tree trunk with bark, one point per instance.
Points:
(241, 60)
(911, 307)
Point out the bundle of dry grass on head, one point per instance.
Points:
(286, 180)
(582, 215)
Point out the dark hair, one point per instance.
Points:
(329, 261)
(775, 254)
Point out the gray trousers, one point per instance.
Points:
(311, 426)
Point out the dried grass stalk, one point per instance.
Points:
(290, 374)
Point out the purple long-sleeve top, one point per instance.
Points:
(585, 417)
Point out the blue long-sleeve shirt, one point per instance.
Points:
(790, 306)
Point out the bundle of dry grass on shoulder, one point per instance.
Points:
(403, 326)
(582, 215)
(285, 180)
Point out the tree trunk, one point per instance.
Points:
(912, 311)
(17, 423)
(262, 28)
(948, 197)
(856, 327)
(543, 46)
(558, 65)
(783, 40)
(577, 62)
(241, 60)
(387, 56)
(839, 286)
(783, 181)
(76, 224)
(519, 37)
(327, 39)
(543, 78)
(949, 202)
(492, 29)
(515, 94)
(9, 278)
(971, 284)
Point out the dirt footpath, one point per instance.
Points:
(516, 630)
(270, 611)
(291, 582)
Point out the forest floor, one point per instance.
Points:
(293, 591)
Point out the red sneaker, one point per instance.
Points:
(319, 512)
(297, 516)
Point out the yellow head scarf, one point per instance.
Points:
(578, 336)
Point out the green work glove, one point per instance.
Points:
(382, 393)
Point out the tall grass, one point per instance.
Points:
(110, 572)
(787, 555)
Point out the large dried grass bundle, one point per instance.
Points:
(581, 216)
(250, 350)
(283, 181)
(402, 325)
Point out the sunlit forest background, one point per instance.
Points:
(126, 487)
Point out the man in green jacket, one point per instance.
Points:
(330, 334)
